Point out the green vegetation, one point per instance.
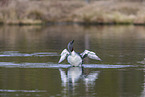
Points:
(43, 11)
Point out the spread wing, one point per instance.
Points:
(63, 54)
(90, 54)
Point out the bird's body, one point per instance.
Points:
(74, 58)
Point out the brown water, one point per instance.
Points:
(29, 61)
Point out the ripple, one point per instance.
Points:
(18, 54)
(30, 91)
(106, 66)
(52, 65)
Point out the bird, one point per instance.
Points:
(76, 59)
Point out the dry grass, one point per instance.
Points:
(23, 11)
(112, 12)
(38, 12)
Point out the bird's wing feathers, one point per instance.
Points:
(63, 54)
(90, 54)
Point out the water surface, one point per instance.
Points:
(29, 61)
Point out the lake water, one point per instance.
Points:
(29, 61)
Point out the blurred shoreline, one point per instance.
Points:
(38, 12)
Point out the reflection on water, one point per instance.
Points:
(114, 44)
(75, 74)
(29, 56)
(142, 62)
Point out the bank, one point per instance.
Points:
(26, 12)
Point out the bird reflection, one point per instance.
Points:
(142, 62)
(74, 75)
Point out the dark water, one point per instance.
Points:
(29, 61)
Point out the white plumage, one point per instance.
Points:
(74, 58)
